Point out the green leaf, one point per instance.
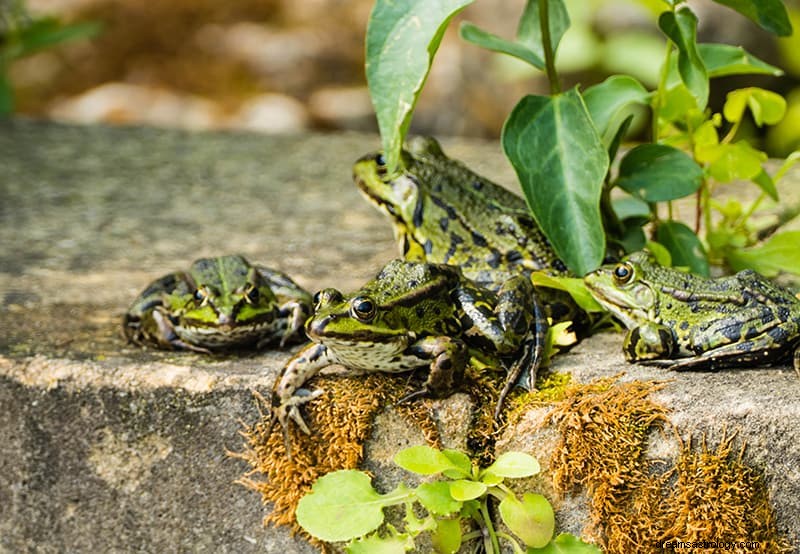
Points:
(484, 39)
(6, 93)
(423, 459)
(446, 538)
(610, 98)
(766, 184)
(766, 106)
(561, 164)
(630, 207)
(532, 519)
(459, 460)
(661, 254)
(733, 161)
(465, 489)
(769, 14)
(787, 164)
(723, 59)
(402, 38)
(529, 31)
(514, 465)
(657, 173)
(573, 285)
(341, 506)
(566, 543)
(676, 103)
(779, 253)
(395, 543)
(435, 497)
(48, 31)
(681, 28)
(684, 246)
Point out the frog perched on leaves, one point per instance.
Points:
(683, 321)
(413, 315)
(218, 303)
(445, 213)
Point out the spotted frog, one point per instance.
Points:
(218, 303)
(412, 315)
(684, 321)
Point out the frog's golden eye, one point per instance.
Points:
(380, 160)
(363, 308)
(623, 273)
(252, 295)
(201, 295)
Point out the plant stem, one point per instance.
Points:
(660, 92)
(547, 45)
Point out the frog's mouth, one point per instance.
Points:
(617, 304)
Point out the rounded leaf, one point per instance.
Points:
(464, 489)
(460, 461)
(447, 536)
(684, 246)
(657, 173)
(514, 465)
(435, 497)
(607, 99)
(341, 506)
(423, 460)
(532, 519)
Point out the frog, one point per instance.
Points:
(412, 315)
(443, 212)
(683, 321)
(219, 302)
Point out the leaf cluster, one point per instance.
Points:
(561, 145)
(343, 506)
(22, 35)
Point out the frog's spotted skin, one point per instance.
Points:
(218, 303)
(413, 315)
(444, 213)
(683, 321)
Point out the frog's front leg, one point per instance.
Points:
(295, 313)
(288, 394)
(448, 360)
(649, 341)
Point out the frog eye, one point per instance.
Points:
(316, 297)
(363, 308)
(380, 160)
(251, 295)
(623, 273)
(201, 295)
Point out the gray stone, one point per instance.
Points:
(110, 447)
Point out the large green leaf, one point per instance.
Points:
(561, 164)
(657, 173)
(606, 100)
(684, 246)
(529, 31)
(681, 28)
(779, 253)
(723, 59)
(402, 38)
(531, 519)
(769, 14)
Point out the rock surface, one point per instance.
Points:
(109, 447)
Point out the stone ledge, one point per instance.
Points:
(112, 447)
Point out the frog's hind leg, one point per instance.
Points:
(448, 360)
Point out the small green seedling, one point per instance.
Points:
(343, 506)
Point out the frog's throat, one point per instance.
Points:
(631, 316)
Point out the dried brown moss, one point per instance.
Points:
(638, 504)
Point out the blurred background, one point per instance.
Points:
(279, 66)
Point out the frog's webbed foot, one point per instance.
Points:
(289, 409)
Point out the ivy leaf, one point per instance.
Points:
(561, 163)
(608, 99)
(681, 28)
(402, 38)
(779, 253)
(769, 14)
(566, 543)
(766, 106)
(529, 31)
(684, 246)
(723, 59)
(531, 519)
(465, 489)
(424, 460)
(435, 497)
(657, 173)
(514, 465)
(484, 39)
(341, 506)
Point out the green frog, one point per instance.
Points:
(683, 321)
(218, 303)
(413, 315)
(443, 212)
